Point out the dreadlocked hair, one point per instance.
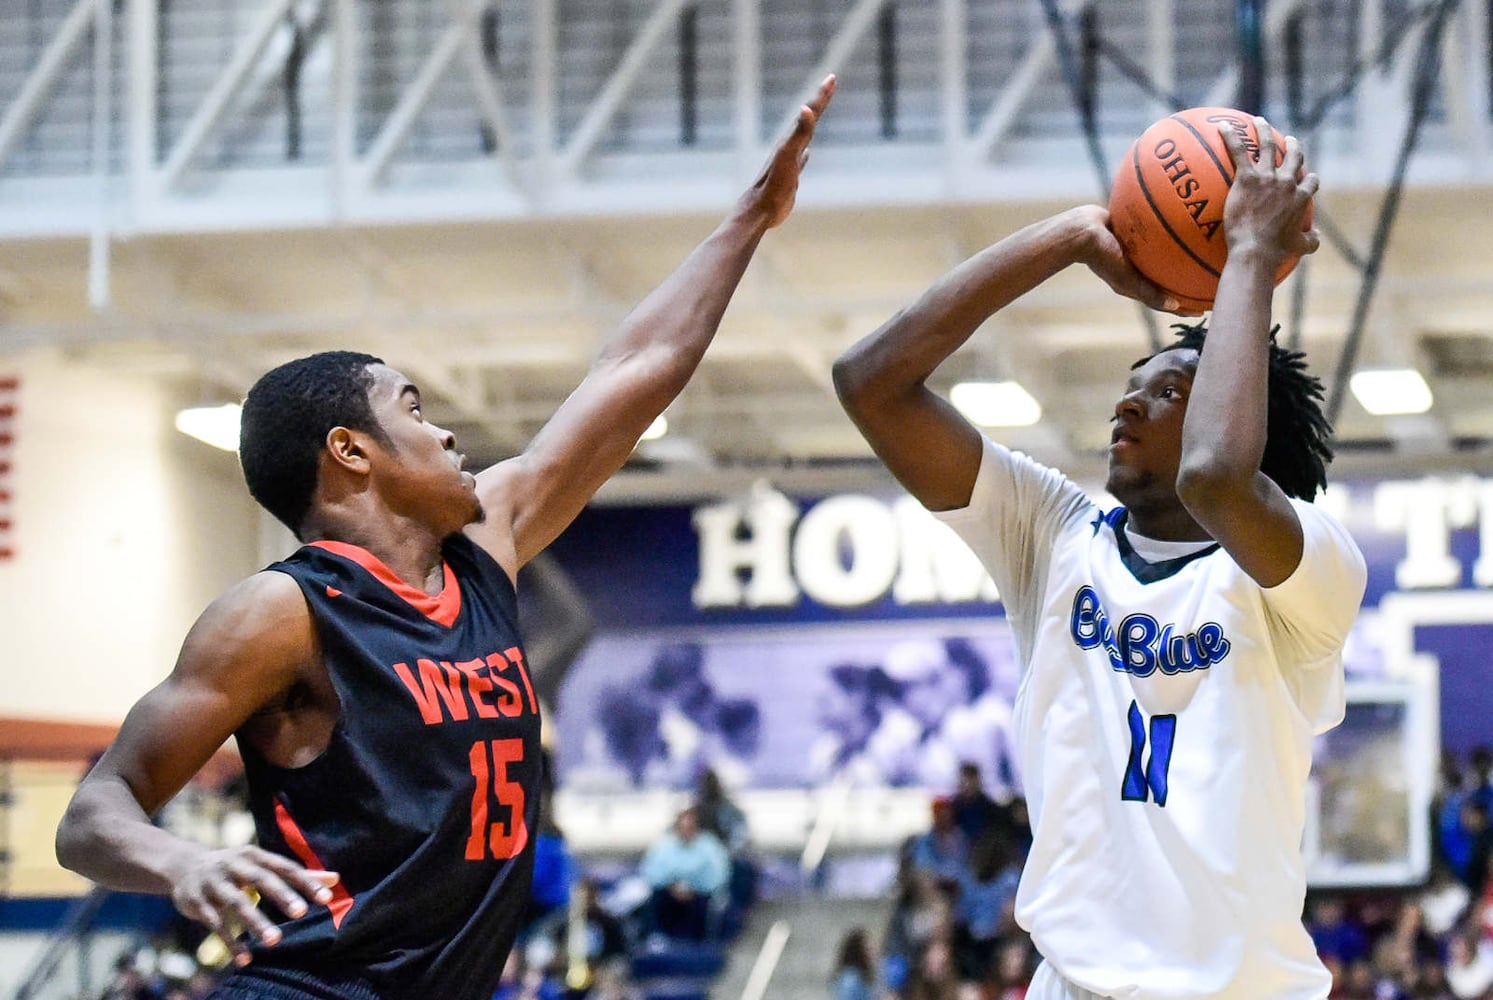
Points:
(1297, 432)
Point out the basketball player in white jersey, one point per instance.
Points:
(1180, 651)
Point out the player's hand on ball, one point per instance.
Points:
(1104, 256)
(222, 889)
(1267, 204)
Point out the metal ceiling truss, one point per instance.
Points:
(556, 157)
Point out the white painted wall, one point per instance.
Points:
(124, 531)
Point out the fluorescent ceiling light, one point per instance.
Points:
(657, 429)
(214, 425)
(1391, 391)
(996, 404)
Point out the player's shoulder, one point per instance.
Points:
(263, 618)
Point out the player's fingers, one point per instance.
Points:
(290, 902)
(821, 99)
(308, 883)
(1266, 138)
(1235, 146)
(1295, 157)
(1307, 189)
(238, 908)
(1308, 242)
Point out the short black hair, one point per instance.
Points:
(1297, 433)
(287, 416)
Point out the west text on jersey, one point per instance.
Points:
(1142, 644)
(451, 692)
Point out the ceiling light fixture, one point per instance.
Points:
(657, 429)
(1388, 392)
(996, 404)
(214, 425)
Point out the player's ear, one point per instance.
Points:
(348, 449)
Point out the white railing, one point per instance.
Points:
(447, 109)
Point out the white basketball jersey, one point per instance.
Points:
(1164, 724)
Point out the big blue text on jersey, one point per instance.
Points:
(1141, 644)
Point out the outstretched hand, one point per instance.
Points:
(776, 188)
(1267, 204)
(222, 887)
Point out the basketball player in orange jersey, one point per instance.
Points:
(1179, 651)
(375, 679)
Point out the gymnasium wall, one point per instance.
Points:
(123, 530)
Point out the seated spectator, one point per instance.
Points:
(974, 810)
(718, 814)
(1014, 964)
(943, 851)
(1469, 965)
(1444, 901)
(523, 980)
(933, 976)
(920, 914)
(590, 936)
(1335, 935)
(855, 976)
(684, 868)
(554, 870)
(985, 907)
(613, 981)
(1398, 953)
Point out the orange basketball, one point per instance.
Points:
(1166, 207)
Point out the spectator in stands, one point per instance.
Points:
(1469, 964)
(922, 911)
(128, 982)
(1444, 901)
(525, 980)
(943, 851)
(590, 936)
(1335, 935)
(718, 814)
(975, 812)
(614, 982)
(933, 976)
(1014, 964)
(855, 975)
(554, 870)
(1480, 777)
(1397, 954)
(684, 868)
(984, 909)
(1357, 982)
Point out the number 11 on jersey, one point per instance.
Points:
(1140, 783)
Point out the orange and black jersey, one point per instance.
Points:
(427, 795)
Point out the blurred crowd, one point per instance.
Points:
(952, 936)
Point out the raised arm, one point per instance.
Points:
(244, 652)
(639, 370)
(882, 380)
(1223, 434)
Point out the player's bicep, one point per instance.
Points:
(245, 651)
(925, 442)
(538, 493)
(1255, 525)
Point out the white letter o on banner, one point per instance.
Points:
(869, 532)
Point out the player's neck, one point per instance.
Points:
(412, 551)
(1165, 523)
